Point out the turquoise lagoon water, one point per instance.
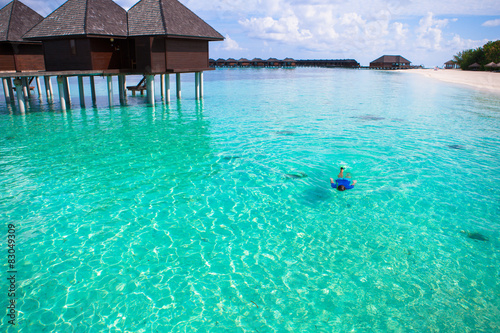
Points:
(181, 217)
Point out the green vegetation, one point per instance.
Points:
(489, 52)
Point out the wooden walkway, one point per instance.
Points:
(17, 86)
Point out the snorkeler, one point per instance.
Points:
(342, 183)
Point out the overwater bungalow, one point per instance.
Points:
(84, 35)
(273, 62)
(289, 62)
(168, 37)
(244, 62)
(390, 62)
(16, 53)
(258, 62)
(220, 62)
(231, 62)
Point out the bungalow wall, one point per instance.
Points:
(29, 57)
(186, 53)
(86, 54)
(160, 54)
(7, 60)
(21, 57)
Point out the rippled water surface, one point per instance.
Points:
(218, 216)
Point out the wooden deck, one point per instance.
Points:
(111, 72)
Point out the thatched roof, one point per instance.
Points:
(83, 18)
(391, 59)
(15, 20)
(475, 65)
(167, 18)
(449, 62)
(491, 64)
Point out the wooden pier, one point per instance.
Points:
(17, 90)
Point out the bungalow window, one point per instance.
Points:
(72, 46)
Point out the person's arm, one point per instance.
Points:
(334, 185)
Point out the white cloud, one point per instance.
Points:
(229, 44)
(429, 32)
(285, 29)
(491, 23)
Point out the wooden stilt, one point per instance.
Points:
(122, 89)
(48, 88)
(81, 91)
(92, 90)
(6, 90)
(62, 92)
(11, 90)
(150, 87)
(167, 87)
(38, 87)
(67, 92)
(197, 85)
(24, 82)
(201, 84)
(110, 90)
(162, 86)
(178, 84)
(18, 83)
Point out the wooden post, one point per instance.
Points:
(20, 94)
(122, 88)
(120, 92)
(150, 87)
(162, 86)
(109, 78)
(67, 92)
(167, 87)
(178, 84)
(62, 92)
(197, 85)
(24, 82)
(38, 86)
(201, 84)
(11, 90)
(92, 90)
(48, 88)
(81, 91)
(6, 90)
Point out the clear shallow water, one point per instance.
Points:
(180, 218)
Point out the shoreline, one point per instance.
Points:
(485, 81)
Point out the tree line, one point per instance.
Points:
(483, 55)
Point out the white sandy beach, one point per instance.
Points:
(480, 80)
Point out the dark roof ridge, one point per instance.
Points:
(86, 16)
(163, 21)
(10, 18)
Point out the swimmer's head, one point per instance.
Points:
(341, 188)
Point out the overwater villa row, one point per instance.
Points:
(287, 62)
(85, 38)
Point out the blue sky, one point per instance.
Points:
(426, 32)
